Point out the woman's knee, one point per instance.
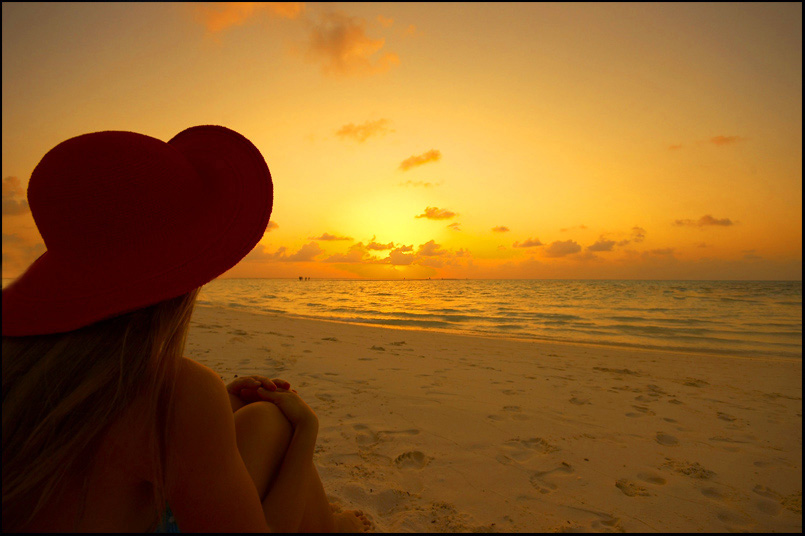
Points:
(263, 419)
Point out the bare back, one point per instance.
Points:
(119, 498)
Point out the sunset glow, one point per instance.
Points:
(611, 141)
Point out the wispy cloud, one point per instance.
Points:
(364, 131)
(434, 213)
(271, 226)
(328, 236)
(638, 234)
(530, 243)
(340, 43)
(14, 202)
(704, 221)
(726, 140)
(218, 16)
(560, 248)
(419, 183)
(566, 229)
(454, 226)
(675, 147)
(413, 161)
(384, 21)
(500, 229)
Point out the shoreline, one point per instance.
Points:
(447, 432)
(511, 337)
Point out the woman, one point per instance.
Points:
(106, 426)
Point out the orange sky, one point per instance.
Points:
(648, 141)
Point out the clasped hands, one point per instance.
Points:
(255, 388)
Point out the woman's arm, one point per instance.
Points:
(209, 488)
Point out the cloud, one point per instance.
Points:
(398, 257)
(410, 31)
(431, 156)
(500, 229)
(704, 221)
(561, 248)
(364, 131)
(638, 234)
(306, 253)
(726, 140)
(602, 245)
(430, 249)
(674, 147)
(218, 16)
(379, 247)
(356, 253)
(663, 251)
(454, 226)
(434, 213)
(530, 243)
(19, 252)
(419, 183)
(340, 43)
(328, 237)
(582, 226)
(385, 22)
(271, 226)
(14, 202)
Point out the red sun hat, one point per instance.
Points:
(129, 220)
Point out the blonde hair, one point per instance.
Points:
(62, 392)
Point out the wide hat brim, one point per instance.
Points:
(220, 219)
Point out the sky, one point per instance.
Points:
(454, 140)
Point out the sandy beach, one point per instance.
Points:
(429, 431)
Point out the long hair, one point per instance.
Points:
(62, 392)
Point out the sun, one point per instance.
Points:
(389, 217)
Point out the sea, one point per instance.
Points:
(743, 318)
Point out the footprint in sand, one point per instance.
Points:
(667, 440)
(333, 339)
(363, 435)
(378, 348)
(651, 478)
(580, 401)
(644, 409)
(631, 489)
(413, 459)
(523, 449)
(693, 470)
(543, 481)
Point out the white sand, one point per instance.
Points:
(446, 433)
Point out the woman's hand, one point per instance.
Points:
(245, 387)
(292, 406)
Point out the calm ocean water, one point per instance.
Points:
(762, 318)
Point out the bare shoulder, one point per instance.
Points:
(194, 373)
